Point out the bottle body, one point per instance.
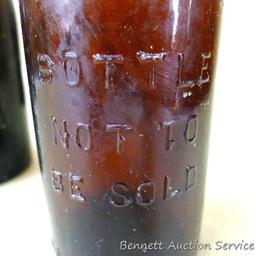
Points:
(14, 146)
(122, 93)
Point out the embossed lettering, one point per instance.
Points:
(57, 181)
(64, 138)
(75, 191)
(110, 62)
(169, 138)
(118, 129)
(191, 175)
(181, 82)
(71, 68)
(152, 58)
(169, 192)
(45, 68)
(120, 193)
(204, 76)
(85, 146)
(145, 195)
(191, 129)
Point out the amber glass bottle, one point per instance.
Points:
(122, 94)
(14, 147)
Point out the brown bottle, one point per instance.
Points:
(122, 92)
(14, 146)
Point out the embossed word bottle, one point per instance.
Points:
(14, 147)
(122, 94)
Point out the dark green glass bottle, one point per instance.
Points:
(14, 146)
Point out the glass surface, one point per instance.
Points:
(122, 94)
(14, 146)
